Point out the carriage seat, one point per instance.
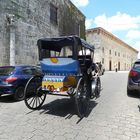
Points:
(87, 59)
(81, 58)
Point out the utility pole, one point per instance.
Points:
(11, 25)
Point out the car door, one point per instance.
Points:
(26, 74)
(36, 71)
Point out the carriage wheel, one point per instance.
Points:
(34, 96)
(81, 98)
(98, 87)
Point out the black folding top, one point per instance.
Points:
(56, 44)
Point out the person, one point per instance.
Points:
(95, 67)
(100, 65)
(116, 69)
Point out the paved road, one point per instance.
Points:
(113, 116)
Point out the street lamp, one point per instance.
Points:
(11, 24)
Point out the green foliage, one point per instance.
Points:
(71, 20)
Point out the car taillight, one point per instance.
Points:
(133, 73)
(10, 79)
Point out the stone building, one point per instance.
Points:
(22, 22)
(112, 52)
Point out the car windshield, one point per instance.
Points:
(137, 65)
(5, 71)
(65, 52)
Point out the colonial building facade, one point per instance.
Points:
(23, 22)
(112, 52)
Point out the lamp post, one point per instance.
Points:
(11, 25)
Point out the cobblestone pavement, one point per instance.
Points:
(113, 116)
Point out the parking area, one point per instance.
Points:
(113, 116)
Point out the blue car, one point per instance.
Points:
(14, 78)
(133, 84)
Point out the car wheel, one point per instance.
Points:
(98, 87)
(19, 94)
(129, 92)
(103, 72)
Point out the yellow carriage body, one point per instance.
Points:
(58, 83)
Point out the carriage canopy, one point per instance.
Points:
(56, 44)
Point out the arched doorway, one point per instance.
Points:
(118, 65)
(110, 65)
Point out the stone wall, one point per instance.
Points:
(31, 22)
(4, 36)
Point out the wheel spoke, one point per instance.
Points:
(31, 100)
(41, 97)
(33, 103)
(39, 100)
(34, 98)
(81, 98)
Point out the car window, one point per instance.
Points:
(136, 65)
(5, 71)
(36, 71)
(27, 71)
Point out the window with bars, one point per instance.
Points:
(118, 54)
(53, 13)
(102, 60)
(77, 29)
(103, 49)
(109, 51)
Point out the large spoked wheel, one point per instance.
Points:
(34, 96)
(98, 87)
(81, 98)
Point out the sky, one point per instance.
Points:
(120, 17)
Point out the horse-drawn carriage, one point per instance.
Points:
(67, 64)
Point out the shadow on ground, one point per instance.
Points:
(7, 99)
(134, 94)
(64, 108)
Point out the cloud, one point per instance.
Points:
(133, 34)
(80, 3)
(118, 22)
(89, 23)
(123, 25)
(137, 45)
(133, 37)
